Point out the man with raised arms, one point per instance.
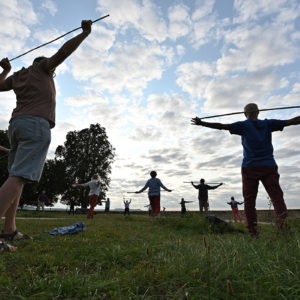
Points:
(29, 127)
(258, 162)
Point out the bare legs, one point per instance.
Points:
(10, 194)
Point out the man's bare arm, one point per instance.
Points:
(70, 46)
(293, 121)
(199, 122)
(4, 149)
(5, 64)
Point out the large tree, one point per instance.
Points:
(85, 153)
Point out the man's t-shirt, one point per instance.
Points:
(35, 92)
(203, 191)
(256, 138)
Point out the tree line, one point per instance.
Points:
(85, 152)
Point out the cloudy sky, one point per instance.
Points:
(151, 66)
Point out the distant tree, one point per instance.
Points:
(3, 156)
(53, 179)
(85, 153)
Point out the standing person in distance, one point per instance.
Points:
(258, 162)
(94, 192)
(154, 184)
(72, 205)
(235, 210)
(107, 205)
(183, 208)
(42, 199)
(126, 207)
(29, 126)
(203, 194)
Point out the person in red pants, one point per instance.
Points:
(234, 206)
(258, 162)
(94, 186)
(154, 184)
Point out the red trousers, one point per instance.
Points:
(236, 214)
(155, 205)
(93, 203)
(269, 177)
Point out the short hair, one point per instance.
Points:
(38, 59)
(95, 176)
(153, 174)
(202, 180)
(232, 198)
(250, 108)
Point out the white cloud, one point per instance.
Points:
(253, 10)
(179, 21)
(50, 6)
(194, 77)
(227, 93)
(143, 16)
(15, 28)
(130, 67)
(296, 88)
(257, 48)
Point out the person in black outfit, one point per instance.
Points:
(203, 194)
(183, 208)
(72, 205)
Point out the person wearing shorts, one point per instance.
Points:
(154, 184)
(29, 127)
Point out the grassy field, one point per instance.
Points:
(136, 257)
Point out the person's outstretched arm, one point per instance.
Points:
(197, 121)
(195, 186)
(146, 186)
(70, 46)
(165, 188)
(293, 121)
(4, 149)
(214, 187)
(5, 65)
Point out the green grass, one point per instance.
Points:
(136, 257)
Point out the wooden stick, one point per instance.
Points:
(204, 182)
(144, 191)
(55, 39)
(242, 112)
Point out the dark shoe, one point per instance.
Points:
(14, 236)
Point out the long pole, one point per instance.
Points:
(205, 182)
(241, 112)
(55, 39)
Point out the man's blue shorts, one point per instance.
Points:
(29, 138)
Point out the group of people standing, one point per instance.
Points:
(34, 116)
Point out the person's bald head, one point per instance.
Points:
(251, 111)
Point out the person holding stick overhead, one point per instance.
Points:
(29, 127)
(258, 162)
(154, 184)
(203, 194)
